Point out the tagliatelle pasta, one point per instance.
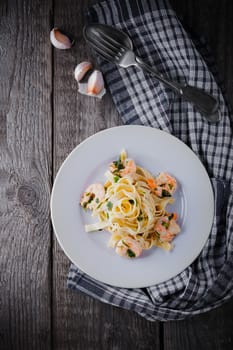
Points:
(132, 206)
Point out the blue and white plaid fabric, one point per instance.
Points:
(160, 40)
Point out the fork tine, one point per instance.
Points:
(107, 45)
(103, 53)
(112, 42)
(114, 55)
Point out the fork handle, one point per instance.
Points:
(148, 69)
(202, 100)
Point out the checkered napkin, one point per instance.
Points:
(161, 41)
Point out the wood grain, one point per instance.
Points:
(25, 172)
(213, 21)
(212, 330)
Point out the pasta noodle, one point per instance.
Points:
(132, 206)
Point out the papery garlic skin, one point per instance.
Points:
(82, 89)
(81, 69)
(95, 83)
(60, 40)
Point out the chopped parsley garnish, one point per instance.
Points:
(165, 224)
(97, 200)
(92, 196)
(165, 193)
(130, 253)
(171, 216)
(140, 217)
(116, 178)
(131, 201)
(109, 205)
(118, 164)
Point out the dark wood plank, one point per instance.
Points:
(80, 322)
(212, 330)
(25, 175)
(212, 19)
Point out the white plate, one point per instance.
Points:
(156, 151)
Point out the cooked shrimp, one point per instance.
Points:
(167, 227)
(130, 168)
(166, 185)
(92, 196)
(174, 228)
(161, 224)
(167, 237)
(123, 167)
(128, 247)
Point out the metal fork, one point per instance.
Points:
(121, 53)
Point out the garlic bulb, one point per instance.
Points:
(60, 40)
(95, 83)
(81, 69)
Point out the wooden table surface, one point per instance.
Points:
(42, 118)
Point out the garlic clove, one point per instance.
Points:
(60, 40)
(95, 83)
(82, 89)
(81, 69)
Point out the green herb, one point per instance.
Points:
(171, 216)
(165, 224)
(107, 216)
(92, 196)
(140, 217)
(84, 205)
(97, 200)
(130, 253)
(118, 164)
(116, 178)
(131, 201)
(165, 193)
(170, 186)
(109, 205)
